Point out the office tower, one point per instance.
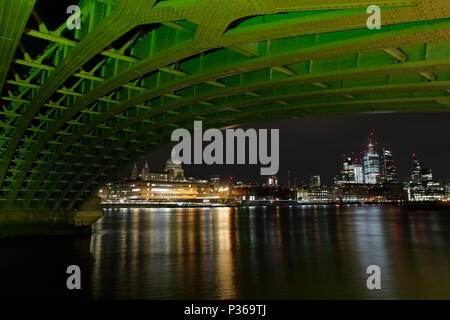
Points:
(416, 175)
(272, 181)
(358, 172)
(371, 163)
(347, 174)
(348, 171)
(315, 180)
(427, 175)
(388, 168)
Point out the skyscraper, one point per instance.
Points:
(348, 168)
(419, 173)
(315, 180)
(416, 175)
(358, 172)
(427, 175)
(371, 163)
(272, 181)
(352, 172)
(388, 168)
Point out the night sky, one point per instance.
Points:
(315, 145)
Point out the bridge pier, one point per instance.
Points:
(15, 223)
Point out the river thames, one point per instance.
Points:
(316, 252)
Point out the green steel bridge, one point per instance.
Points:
(78, 105)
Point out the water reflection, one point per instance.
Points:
(270, 253)
(314, 252)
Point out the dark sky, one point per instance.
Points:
(314, 145)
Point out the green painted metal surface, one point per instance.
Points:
(97, 98)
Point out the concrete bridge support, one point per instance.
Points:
(34, 222)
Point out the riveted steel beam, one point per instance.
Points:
(161, 64)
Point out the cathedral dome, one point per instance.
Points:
(171, 165)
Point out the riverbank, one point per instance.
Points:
(407, 205)
(19, 223)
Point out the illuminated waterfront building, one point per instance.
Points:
(315, 194)
(371, 193)
(446, 186)
(421, 186)
(431, 191)
(348, 170)
(352, 193)
(155, 191)
(250, 193)
(169, 186)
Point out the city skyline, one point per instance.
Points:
(396, 131)
(374, 167)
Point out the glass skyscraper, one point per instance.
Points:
(416, 176)
(358, 172)
(388, 168)
(371, 163)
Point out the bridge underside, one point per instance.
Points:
(77, 105)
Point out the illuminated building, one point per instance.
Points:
(358, 172)
(315, 180)
(272, 181)
(249, 193)
(172, 191)
(155, 191)
(420, 174)
(352, 172)
(315, 194)
(427, 175)
(431, 191)
(416, 175)
(371, 163)
(446, 186)
(175, 171)
(371, 193)
(388, 168)
(169, 186)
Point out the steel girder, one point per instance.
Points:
(97, 98)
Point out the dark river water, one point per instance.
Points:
(239, 253)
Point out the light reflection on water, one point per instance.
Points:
(270, 253)
(313, 252)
